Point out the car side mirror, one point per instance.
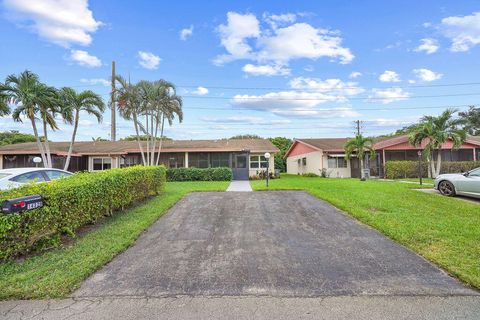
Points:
(466, 174)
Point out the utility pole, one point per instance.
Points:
(113, 134)
(358, 125)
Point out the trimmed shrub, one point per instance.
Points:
(198, 174)
(409, 169)
(72, 202)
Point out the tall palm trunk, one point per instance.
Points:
(39, 143)
(148, 139)
(361, 168)
(161, 139)
(70, 149)
(47, 146)
(135, 124)
(155, 134)
(439, 163)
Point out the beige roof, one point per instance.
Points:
(123, 147)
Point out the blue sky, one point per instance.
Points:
(272, 68)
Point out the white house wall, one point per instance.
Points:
(337, 172)
(314, 163)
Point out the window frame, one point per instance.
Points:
(336, 163)
(103, 163)
(261, 162)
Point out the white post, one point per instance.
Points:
(1, 161)
(186, 159)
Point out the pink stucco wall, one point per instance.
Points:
(300, 148)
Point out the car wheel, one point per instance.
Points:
(446, 188)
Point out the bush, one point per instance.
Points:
(310, 175)
(409, 169)
(72, 202)
(197, 174)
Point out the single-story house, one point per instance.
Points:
(328, 155)
(244, 156)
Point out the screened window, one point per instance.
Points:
(102, 164)
(257, 162)
(304, 161)
(198, 160)
(220, 160)
(337, 162)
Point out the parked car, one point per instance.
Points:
(14, 178)
(465, 184)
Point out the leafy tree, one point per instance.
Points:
(99, 139)
(471, 120)
(246, 136)
(13, 137)
(283, 144)
(359, 146)
(72, 104)
(435, 131)
(141, 137)
(33, 100)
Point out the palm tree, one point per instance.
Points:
(170, 107)
(72, 104)
(4, 108)
(128, 98)
(359, 146)
(33, 98)
(435, 131)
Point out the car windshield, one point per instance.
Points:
(475, 172)
(3, 175)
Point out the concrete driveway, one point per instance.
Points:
(282, 244)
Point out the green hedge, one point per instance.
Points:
(409, 169)
(72, 202)
(197, 174)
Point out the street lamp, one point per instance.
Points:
(267, 156)
(419, 153)
(37, 160)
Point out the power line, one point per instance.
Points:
(311, 89)
(278, 110)
(253, 98)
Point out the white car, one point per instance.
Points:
(14, 178)
(464, 184)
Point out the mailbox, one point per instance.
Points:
(22, 204)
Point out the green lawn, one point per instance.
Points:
(444, 230)
(57, 273)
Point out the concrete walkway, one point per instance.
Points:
(239, 186)
(212, 308)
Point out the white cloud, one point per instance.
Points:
(355, 74)
(301, 40)
(245, 120)
(95, 81)
(201, 91)
(279, 19)
(388, 95)
(427, 75)
(186, 33)
(243, 38)
(427, 45)
(304, 98)
(265, 70)
(389, 76)
(234, 36)
(148, 60)
(335, 87)
(463, 31)
(83, 58)
(63, 22)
